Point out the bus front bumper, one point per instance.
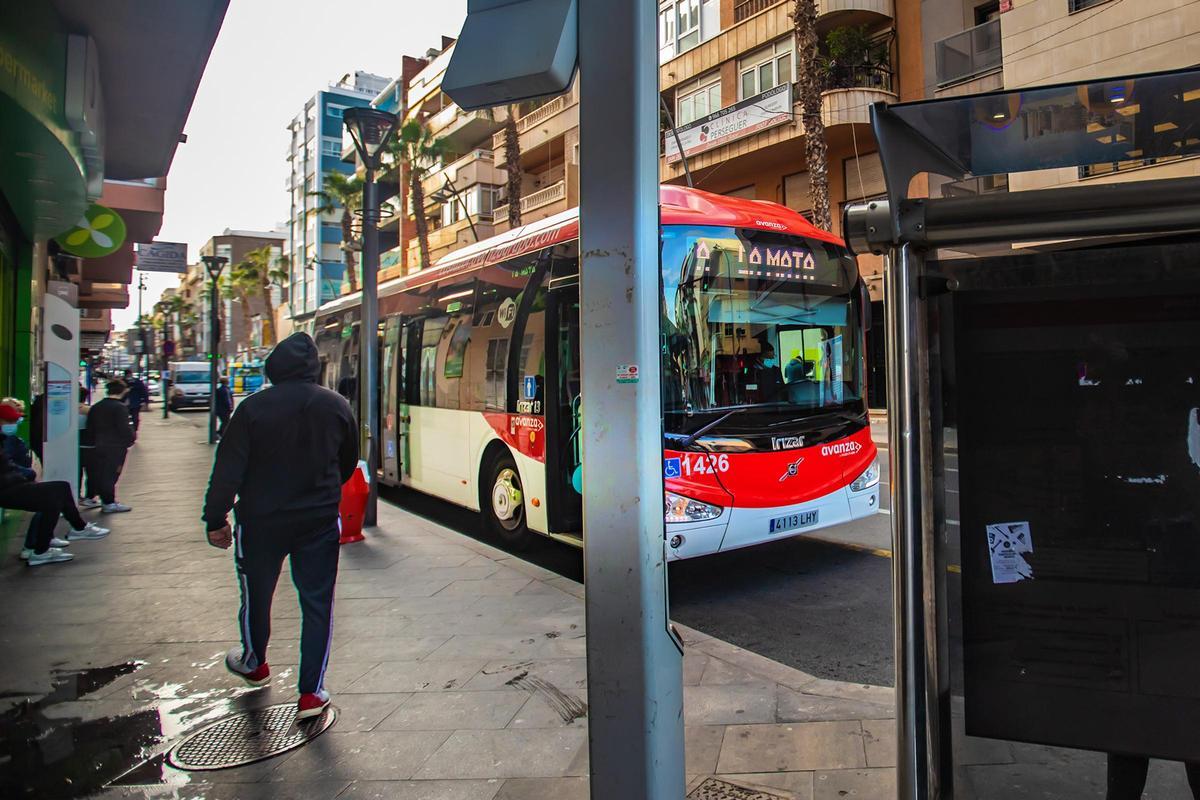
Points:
(746, 527)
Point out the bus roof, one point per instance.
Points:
(679, 205)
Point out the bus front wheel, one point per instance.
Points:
(504, 503)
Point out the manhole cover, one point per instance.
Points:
(248, 737)
(713, 789)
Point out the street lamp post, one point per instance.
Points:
(370, 129)
(215, 265)
(141, 326)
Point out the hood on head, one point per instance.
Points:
(294, 359)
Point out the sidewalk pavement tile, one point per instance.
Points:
(511, 753)
(565, 673)
(387, 648)
(424, 790)
(879, 739)
(449, 711)
(793, 706)
(729, 705)
(858, 784)
(544, 789)
(374, 756)
(702, 748)
(789, 747)
(416, 676)
(551, 707)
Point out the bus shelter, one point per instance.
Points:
(1044, 388)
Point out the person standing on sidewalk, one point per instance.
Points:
(111, 434)
(285, 454)
(138, 396)
(223, 404)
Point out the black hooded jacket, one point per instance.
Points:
(287, 450)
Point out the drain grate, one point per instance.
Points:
(248, 737)
(714, 789)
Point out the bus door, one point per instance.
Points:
(390, 398)
(564, 404)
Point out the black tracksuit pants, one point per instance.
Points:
(49, 499)
(260, 549)
(104, 468)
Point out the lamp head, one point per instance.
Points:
(370, 129)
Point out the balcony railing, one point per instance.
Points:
(542, 197)
(969, 53)
(858, 76)
(743, 9)
(534, 118)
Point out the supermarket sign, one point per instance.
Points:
(767, 110)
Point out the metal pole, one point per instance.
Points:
(634, 660)
(368, 390)
(141, 326)
(214, 342)
(901, 301)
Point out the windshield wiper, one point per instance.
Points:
(690, 439)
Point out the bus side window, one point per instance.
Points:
(431, 336)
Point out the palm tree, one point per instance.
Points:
(261, 270)
(808, 80)
(512, 166)
(236, 286)
(343, 192)
(421, 153)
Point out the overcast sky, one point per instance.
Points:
(270, 56)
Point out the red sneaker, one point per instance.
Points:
(312, 704)
(259, 676)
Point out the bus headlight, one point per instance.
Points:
(869, 478)
(685, 509)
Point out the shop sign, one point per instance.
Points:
(162, 256)
(98, 233)
(754, 114)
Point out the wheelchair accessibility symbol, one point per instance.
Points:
(672, 468)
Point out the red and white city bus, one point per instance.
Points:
(766, 432)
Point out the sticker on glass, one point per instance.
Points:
(627, 373)
(1008, 542)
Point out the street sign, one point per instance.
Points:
(162, 257)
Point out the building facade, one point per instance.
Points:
(241, 309)
(317, 138)
(91, 124)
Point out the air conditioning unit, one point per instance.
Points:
(84, 107)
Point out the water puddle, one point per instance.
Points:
(57, 748)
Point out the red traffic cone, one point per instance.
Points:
(353, 506)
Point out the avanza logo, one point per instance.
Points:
(779, 226)
(841, 449)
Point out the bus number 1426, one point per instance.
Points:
(705, 464)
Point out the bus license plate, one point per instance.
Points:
(804, 519)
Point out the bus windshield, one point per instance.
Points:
(762, 322)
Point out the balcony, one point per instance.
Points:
(477, 166)
(543, 123)
(851, 91)
(838, 13)
(449, 238)
(534, 200)
(968, 54)
(463, 130)
(744, 9)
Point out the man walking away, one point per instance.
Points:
(223, 404)
(138, 396)
(111, 434)
(285, 455)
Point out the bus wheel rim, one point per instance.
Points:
(507, 499)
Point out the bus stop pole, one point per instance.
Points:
(634, 661)
(907, 441)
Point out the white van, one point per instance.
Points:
(189, 384)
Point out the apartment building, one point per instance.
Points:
(241, 314)
(1009, 44)
(317, 139)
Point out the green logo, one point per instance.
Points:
(98, 233)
